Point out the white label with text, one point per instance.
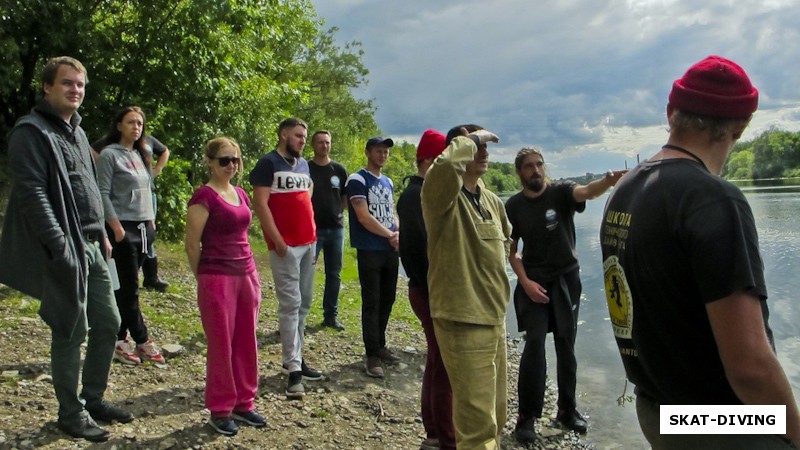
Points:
(723, 419)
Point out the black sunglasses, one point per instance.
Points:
(225, 160)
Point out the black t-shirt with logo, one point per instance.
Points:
(675, 237)
(546, 227)
(328, 191)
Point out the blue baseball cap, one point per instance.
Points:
(379, 140)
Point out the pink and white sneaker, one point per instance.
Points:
(124, 353)
(149, 352)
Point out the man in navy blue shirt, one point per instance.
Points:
(374, 233)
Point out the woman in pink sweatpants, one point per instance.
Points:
(228, 289)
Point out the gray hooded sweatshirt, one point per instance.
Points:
(125, 185)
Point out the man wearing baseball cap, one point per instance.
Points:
(374, 234)
(683, 274)
(437, 397)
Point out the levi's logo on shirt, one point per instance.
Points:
(291, 182)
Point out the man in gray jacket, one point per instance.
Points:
(54, 247)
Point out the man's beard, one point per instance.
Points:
(292, 151)
(535, 184)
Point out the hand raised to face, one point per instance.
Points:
(483, 136)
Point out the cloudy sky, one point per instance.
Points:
(585, 80)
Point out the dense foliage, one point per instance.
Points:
(198, 68)
(773, 154)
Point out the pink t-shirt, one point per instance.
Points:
(225, 248)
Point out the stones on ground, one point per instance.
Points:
(550, 432)
(168, 443)
(347, 410)
(44, 378)
(172, 350)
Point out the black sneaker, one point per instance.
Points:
(106, 412)
(224, 425)
(573, 421)
(294, 387)
(333, 322)
(308, 373)
(83, 427)
(251, 418)
(525, 433)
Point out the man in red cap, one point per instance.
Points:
(437, 397)
(683, 275)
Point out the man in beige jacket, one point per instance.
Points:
(468, 245)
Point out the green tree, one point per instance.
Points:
(740, 165)
(198, 68)
(332, 74)
(402, 163)
(774, 153)
(502, 178)
(27, 38)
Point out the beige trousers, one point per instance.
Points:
(475, 358)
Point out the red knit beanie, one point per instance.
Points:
(715, 87)
(431, 145)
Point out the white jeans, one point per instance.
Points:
(293, 274)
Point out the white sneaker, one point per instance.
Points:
(124, 353)
(149, 352)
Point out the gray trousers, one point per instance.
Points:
(293, 275)
(100, 319)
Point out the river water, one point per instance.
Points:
(601, 378)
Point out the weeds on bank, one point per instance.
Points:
(625, 397)
(15, 304)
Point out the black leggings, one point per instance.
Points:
(129, 254)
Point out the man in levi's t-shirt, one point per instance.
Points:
(282, 190)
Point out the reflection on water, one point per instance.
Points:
(601, 378)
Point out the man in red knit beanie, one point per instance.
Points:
(683, 274)
(437, 395)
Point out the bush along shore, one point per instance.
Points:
(344, 410)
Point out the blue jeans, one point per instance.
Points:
(331, 241)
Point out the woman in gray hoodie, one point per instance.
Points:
(124, 176)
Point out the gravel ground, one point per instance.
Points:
(346, 410)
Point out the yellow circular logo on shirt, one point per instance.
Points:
(618, 296)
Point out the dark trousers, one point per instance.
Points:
(437, 397)
(536, 320)
(129, 255)
(377, 272)
(99, 320)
